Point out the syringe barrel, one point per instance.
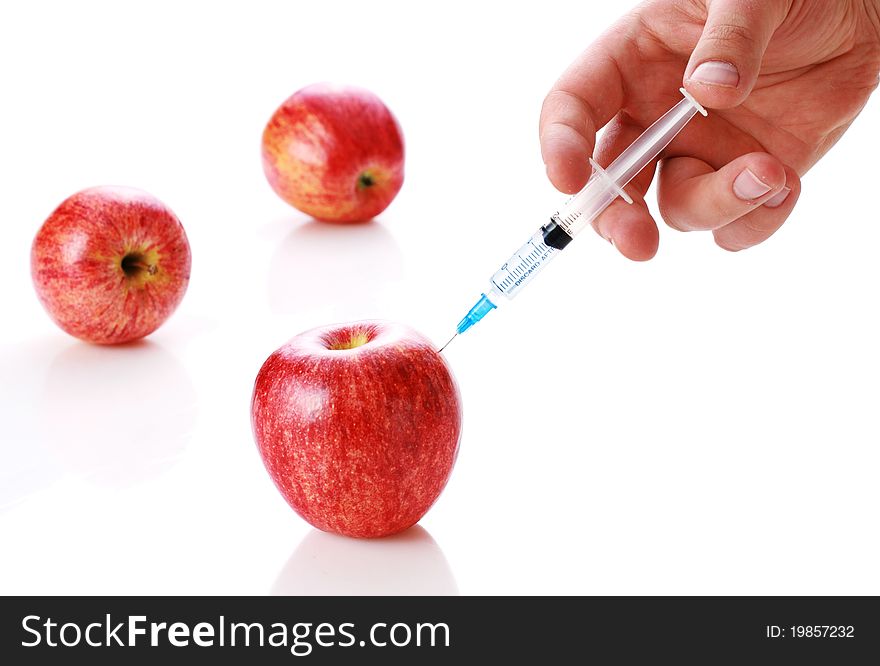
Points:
(651, 142)
(606, 185)
(523, 266)
(587, 204)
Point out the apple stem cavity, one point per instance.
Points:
(348, 339)
(134, 264)
(366, 180)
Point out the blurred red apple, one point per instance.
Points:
(358, 425)
(335, 153)
(110, 264)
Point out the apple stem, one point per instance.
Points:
(144, 267)
(366, 180)
(133, 265)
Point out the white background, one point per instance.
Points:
(702, 423)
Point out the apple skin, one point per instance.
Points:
(359, 441)
(110, 264)
(335, 153)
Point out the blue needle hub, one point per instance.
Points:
(483, 307)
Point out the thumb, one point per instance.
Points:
(725, 63)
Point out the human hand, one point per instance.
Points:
(783, 80)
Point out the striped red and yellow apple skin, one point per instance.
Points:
(358, 425)
(335, 153)
(110, 264)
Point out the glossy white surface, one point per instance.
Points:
(702, 423)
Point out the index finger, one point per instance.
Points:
(587, 95)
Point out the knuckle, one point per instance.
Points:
(671, 221)
(728, 34)
(761, 227)
(551, 103)
(671, 216)
(562, 124)
(564, 107)
(727, 245)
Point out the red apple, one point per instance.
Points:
(110, 264)
(335, 153)
(358, 425)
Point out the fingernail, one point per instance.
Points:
(716, 73)
(778, 198)
(748, 186)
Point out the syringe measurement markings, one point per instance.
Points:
(538, 253)
(571, 218)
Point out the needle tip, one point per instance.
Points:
(447, 343)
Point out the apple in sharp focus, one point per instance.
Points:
(358, 425)
(334, 152)
(110, 264)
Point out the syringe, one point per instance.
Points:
(604, 186)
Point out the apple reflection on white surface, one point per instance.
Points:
(115, 415)
(26, 465)
(407, 564)
(345, 266)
